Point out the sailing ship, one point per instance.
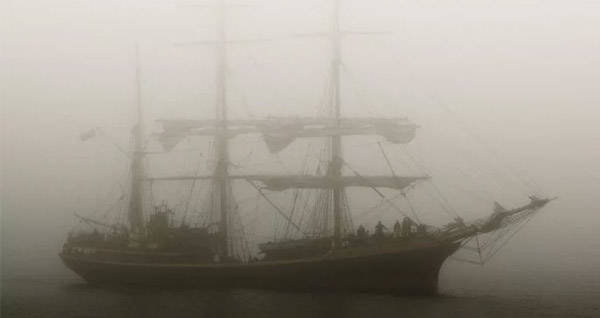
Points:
(328, 252)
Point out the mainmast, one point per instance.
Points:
(136, 212)
(221, 180)
(336, 161)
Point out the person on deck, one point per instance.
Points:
(379, 229)
(397, 229)
(407, 224)
(361, 232)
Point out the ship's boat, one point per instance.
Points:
(320, 251)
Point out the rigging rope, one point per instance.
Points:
(410, 205)
(189, 199)
(387, 160)
(298, 192)
(274, 205)
(528, 218)
(528, 185)
(391, 203)
(379, 205)
(114, 142)
(445, 204)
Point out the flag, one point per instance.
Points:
(88, 135)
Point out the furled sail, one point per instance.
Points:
(278, 136)
(285, 182)
(278, 133)
(174, 131)
(280, 183)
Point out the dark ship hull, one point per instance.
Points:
(392, 269)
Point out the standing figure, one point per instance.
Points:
(379, 229)
(407, 225)
(397, 229)
(361, 232)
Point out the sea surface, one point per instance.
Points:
(55, 292)
(549, 269)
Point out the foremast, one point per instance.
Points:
(336, 159)
(136, 209)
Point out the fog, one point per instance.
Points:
(505, 93)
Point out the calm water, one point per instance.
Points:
(550, 269)
(58, 293)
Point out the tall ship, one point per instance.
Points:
(321, 248)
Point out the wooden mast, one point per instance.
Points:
(221, 181)
(335, 165)
(136, 212)
(332, 127)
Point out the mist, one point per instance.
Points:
(505, 94)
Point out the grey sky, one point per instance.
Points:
(500, 83)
